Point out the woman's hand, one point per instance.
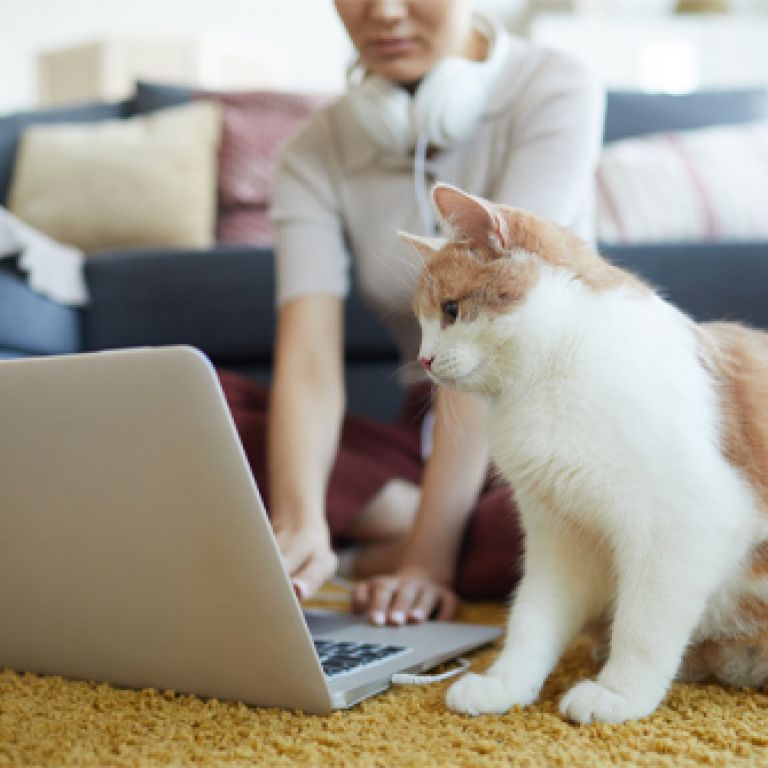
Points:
(411, 595)
(307, 553)
(450, 485)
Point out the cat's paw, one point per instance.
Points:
(589, 702)
(485, 694)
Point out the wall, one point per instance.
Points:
(663, 53)
(308, 27)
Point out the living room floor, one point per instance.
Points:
(50, 721)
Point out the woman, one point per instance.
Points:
(438, 93)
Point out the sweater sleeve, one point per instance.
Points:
(554, 146)
(310, 251)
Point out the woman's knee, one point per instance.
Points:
(389, 514)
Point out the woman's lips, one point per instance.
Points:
(391, 47)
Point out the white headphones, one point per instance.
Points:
(446, 107)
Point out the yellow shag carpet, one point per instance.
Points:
(48, 721)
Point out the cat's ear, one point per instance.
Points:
(426, 247)
(471, 217)
(498, 227)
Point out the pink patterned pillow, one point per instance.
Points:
(244, 224)
(254, 125)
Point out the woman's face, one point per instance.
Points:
(402, 39)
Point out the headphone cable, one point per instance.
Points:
(423, 199)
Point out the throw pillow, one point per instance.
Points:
(244, 224)
(254, 125)
(707, 184)
(12, 125)
(144, 181)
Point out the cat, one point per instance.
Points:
(636, 441)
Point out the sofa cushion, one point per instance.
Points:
(143, 181)
(637, 113)
(709, 184)
(12, 126)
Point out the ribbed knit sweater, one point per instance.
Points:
(339, 200)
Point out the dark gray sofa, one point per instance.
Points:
(221, 300)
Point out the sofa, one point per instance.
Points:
(221, 299)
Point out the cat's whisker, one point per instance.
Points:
(403, 275)
(405, 272)
(400, 369)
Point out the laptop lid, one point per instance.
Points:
(134, 547)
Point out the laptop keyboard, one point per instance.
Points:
(341, 658)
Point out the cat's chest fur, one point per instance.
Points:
(544, 448)
(591, 410)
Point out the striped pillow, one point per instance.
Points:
(708, 184)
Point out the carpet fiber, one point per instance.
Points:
(49, 721)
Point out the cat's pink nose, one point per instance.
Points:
(426, 362)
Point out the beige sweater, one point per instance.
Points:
(339, 200)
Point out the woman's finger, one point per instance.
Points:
(360, 597)
(381, 592)
(425, 603)
(314, 573)
(403, 599)
(448, 603)
(294, 557)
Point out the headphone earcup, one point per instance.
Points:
(446, 107)
(450, 101)
(385, 112)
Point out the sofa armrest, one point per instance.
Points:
(710, 281)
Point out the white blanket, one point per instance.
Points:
(53, 269)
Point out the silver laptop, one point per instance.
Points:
(135, 548)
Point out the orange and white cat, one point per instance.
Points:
(637, 444)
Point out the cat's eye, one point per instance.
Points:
(450, 311)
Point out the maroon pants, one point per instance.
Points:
(372, 453)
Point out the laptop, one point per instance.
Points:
(135, 547)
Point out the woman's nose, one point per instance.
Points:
(388, 10)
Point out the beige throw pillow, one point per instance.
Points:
(143, 181)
